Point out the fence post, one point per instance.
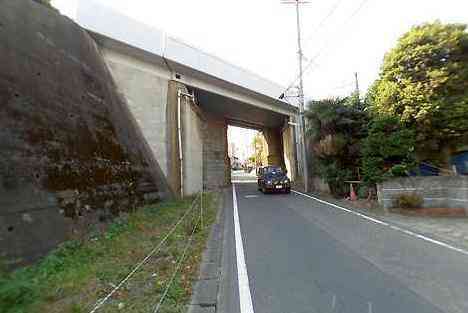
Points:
(201, 209)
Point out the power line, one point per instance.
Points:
(342, 86)
(322, 22)
(326, 45)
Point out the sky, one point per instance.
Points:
(340, 37)
(260, 35)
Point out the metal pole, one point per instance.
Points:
(301, 102)
(357, 83)
(181, 94)
(179, 131)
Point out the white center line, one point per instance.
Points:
(245, 298)
(251, 196)
(396, 228)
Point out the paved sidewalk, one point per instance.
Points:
(452, 230)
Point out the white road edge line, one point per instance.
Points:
(396, 228)
(245, 298)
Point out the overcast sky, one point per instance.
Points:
(260, 35)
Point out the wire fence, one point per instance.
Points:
(178, 265)
(198, 200)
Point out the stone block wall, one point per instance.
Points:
(436, 191)
(274, 139)
(216, 165)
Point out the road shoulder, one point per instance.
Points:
(206, 287)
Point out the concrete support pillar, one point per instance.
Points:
(216, 165)
(191, 123)
(274, 141)
(173, 163)
(192, 139)
(192, 142)
(289, 150)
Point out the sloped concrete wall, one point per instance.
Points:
(436, 191)
(144, 86)
(70, 152)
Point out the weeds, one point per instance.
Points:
(75, 275)
(409, 201)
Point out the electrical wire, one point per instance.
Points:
(152, 252)
(323, 48)
(322, 22)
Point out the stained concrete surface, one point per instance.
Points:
(70, 152)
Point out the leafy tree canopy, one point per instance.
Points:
(335, 128)
(388, 150)
(424, 82)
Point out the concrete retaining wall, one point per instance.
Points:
(71, 154)
(437, 191)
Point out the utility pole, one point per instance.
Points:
(357, 83)
(301, 93)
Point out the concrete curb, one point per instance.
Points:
(205, 288)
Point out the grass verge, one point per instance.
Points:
(77, 274)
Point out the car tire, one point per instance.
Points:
(264, 190)
(288, 190)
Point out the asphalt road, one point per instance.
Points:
(305, 256)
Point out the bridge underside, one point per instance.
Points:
(218, 112)
(188, 135)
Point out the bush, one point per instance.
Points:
(335, 129)
(363, 192)
(334, 176)
(388, 150)
(409, 201)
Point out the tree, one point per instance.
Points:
(388, 150)
(261, 150)
(424, 82)
(336, 127)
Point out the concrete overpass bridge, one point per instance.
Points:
(183, 100)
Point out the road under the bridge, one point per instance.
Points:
(302, 255)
